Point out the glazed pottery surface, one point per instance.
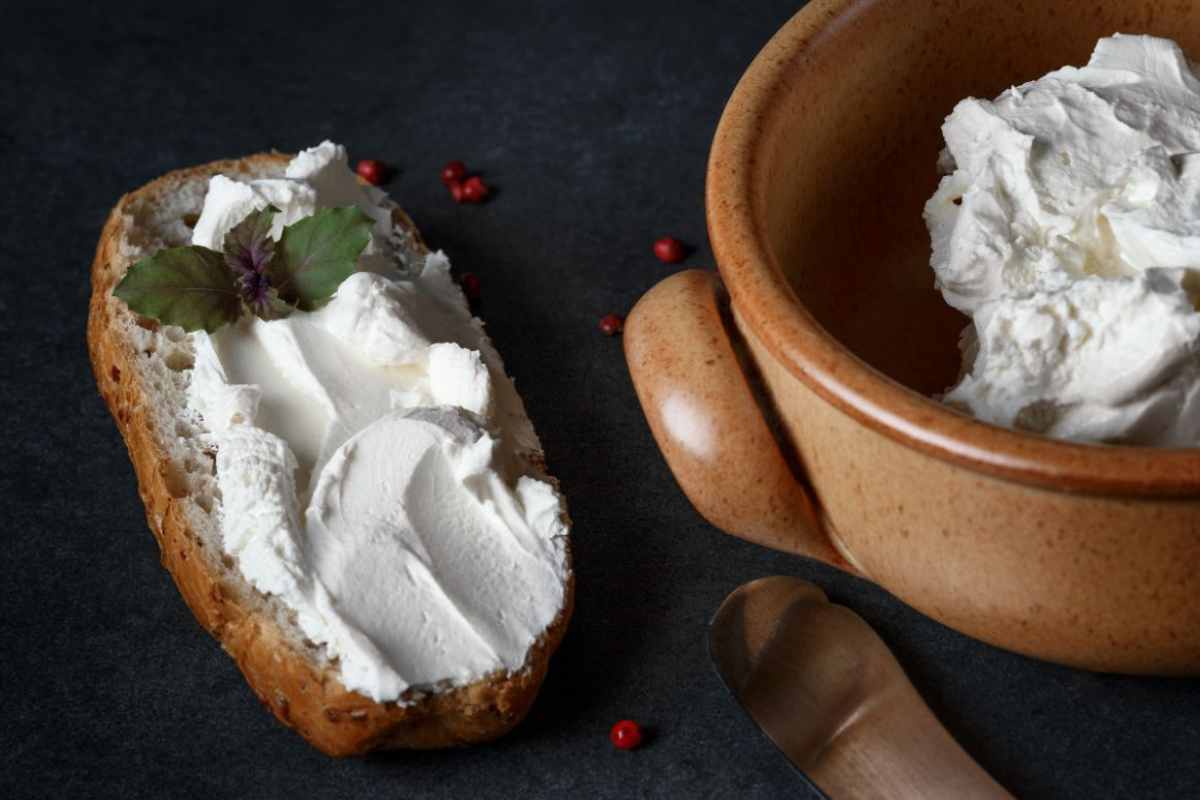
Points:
(800, 418)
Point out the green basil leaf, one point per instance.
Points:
(186, 286)
(317, 253)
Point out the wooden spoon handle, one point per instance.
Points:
(895, 747)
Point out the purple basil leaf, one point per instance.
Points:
(269, 305)
(249, 246)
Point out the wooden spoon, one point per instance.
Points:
(829, 693)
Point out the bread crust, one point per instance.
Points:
(301, 693)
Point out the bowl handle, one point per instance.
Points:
(708, 422)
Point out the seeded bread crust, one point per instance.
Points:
(141, 371)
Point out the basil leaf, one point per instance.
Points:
(191, 287)
(249, 246)
(273, 307)
(316, 254)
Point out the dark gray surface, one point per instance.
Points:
(594, 123)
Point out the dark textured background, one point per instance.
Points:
(593, 122)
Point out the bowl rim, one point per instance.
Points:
(765, 301)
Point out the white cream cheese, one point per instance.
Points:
(1068, 228)
(371, 459)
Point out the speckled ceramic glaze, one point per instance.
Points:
(799, 417)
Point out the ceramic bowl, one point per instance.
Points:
(798, 413)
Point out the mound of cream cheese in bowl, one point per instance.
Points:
(373, 458)
(1068, 228)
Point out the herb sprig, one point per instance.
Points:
(198, 288)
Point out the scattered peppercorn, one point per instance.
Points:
(626, 735)
(474, 190)
(453, 171)
(611, 325)
(669, 250)
(456, 190)
(372, 171)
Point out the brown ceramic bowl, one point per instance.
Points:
(801, 417)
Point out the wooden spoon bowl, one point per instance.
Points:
(831, 696)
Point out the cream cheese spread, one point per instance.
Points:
(372, 458)
(1068, 228)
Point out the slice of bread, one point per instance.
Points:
(142, 370)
